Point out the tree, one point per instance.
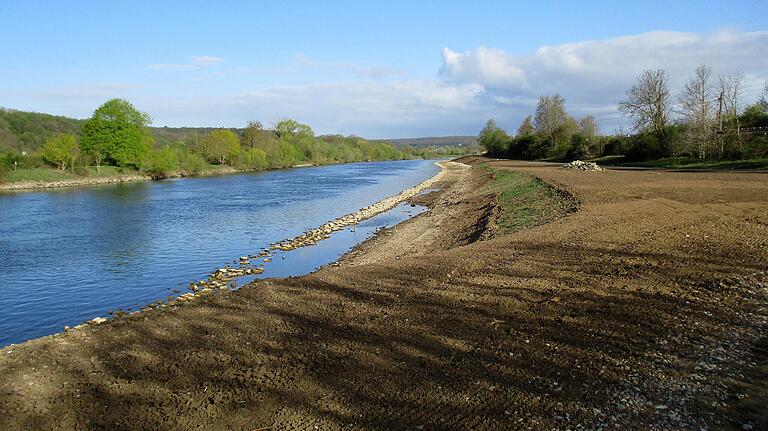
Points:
(494, 139)
(730, 104)
(61, 150)
(526, 128)
(648, 102)
(252, 134)
(730, 90)
(764, 97)
(117, 133)
(284, 127)
(696, 108)
(588, 127)
(550, 116)
(220, 146)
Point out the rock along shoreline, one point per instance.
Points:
(28, 186)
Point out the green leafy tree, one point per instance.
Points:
(221, 146)
(494, 139)
(117, 133)
(286, 127)
(61, 150)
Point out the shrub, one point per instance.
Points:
(579, 148)
(161, 163)
(253, 158)
(191, 163)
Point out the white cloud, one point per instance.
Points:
(491, 67)
(207, 60)
(171, 67)
(195, 63)
(594, 75)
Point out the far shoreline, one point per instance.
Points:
(31, 186)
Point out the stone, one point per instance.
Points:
(578, 165)
(98, 320)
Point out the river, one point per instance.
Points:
(69, 255)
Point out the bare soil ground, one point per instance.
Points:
(644, 309)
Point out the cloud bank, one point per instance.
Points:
(594, 75)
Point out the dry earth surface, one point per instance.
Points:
(644, 309)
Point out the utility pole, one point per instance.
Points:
(720, 111)
(720, 123)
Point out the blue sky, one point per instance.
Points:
(385, 69)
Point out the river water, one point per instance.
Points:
(69, 255)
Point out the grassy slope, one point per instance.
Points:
(526, 201)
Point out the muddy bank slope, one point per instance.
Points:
(643, 310)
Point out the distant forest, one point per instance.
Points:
(437, 141)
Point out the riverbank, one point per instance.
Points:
(644, 309)
(117, 177)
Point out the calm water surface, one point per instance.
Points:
(69, 255)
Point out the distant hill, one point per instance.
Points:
(28, 131)
(434, 141)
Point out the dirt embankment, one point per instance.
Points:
(645, 309)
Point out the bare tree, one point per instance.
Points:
(730, 88)
(648, 101)
(697, 111)
(252, 133)
(764, 97)
(550, 116)
(526, 127)
(730, 107)
(588, 127)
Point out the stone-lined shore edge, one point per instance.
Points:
(28, 186)
(221, 278)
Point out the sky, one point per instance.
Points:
(373, 69)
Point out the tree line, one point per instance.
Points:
(118, 134)
(707, 120)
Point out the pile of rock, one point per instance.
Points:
(578, 165)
